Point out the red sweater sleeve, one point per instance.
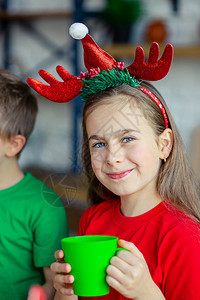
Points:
(180, 261)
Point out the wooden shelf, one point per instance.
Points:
(128, 50)
(33, 15)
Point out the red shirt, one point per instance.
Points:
(168, 239)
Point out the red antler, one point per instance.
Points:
(57, 91)
(153, 69)
(94, 56)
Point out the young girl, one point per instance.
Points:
(140, 182)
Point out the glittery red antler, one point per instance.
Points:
(153, 69)
(57, 91)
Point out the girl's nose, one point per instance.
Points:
(114, 155)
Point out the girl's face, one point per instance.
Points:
(125, 155)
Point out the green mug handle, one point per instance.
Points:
(119, 249)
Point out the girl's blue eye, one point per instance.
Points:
(127, 139)
(99, 145)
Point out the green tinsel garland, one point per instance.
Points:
(105, 80)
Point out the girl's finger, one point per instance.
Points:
(115, 273)
(59, 255)
(60, 278)
(60, 267)
(126, 260)
(123, 261)
(131, 247)
(123, 271)
(65, 290)
(113, 283)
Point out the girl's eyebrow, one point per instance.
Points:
(116, 133)
(95, 137)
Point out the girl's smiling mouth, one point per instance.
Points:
(119, 175)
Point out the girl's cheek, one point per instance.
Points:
(97, 160)
(132, 153)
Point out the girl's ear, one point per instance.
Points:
(15, 145)
(165, 143)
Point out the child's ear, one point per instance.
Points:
(165, 143)
(15, 145)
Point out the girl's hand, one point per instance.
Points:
(62, 281)
(128, 273)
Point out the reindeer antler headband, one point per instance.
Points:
(104, 71)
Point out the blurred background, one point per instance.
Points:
(34, 35)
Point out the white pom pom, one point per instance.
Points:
(78, 31)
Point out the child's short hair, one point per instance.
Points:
(18, 107)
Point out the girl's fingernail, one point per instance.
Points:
(71, 292)
(122, 240)
(69, 279)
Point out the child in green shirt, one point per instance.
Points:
(32, 217)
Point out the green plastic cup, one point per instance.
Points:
(89, 257)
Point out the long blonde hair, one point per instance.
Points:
(176, 181)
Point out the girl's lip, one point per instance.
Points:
(118, 175)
